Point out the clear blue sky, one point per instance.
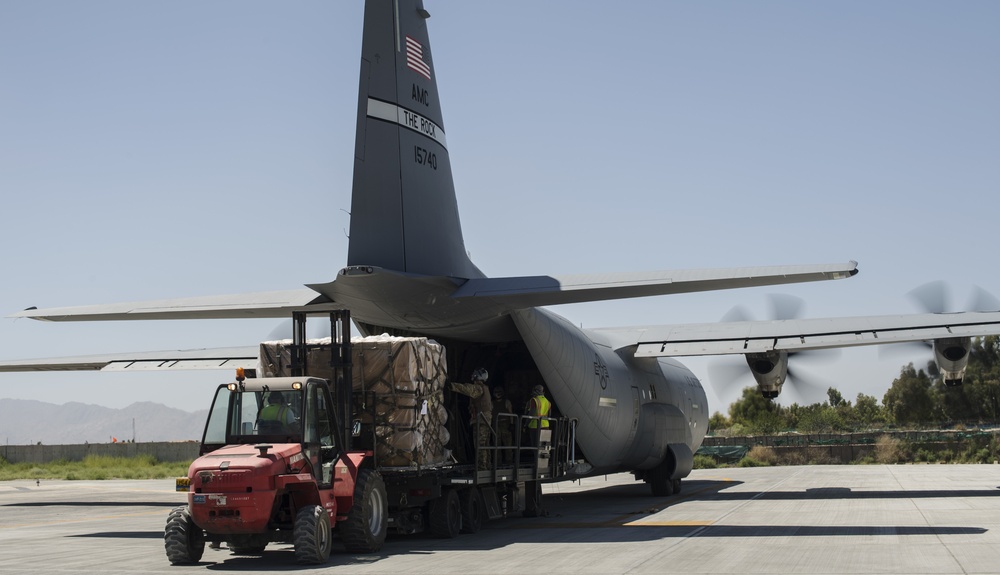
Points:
(167, 149)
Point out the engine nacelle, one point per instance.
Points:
(770, 369)
(952, 356)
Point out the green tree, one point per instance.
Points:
(718, 421)
(755, 412)
(792, 415)
(909, 400)
(836, 399)
(867, 412)
(820, 418)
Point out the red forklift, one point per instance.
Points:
(276, 465)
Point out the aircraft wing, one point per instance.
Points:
(273, 304)
(499, 293)
(744, 337)
(535, 291)
(208, 358)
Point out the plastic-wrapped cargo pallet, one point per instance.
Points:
(403, 378)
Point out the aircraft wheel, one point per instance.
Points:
(677, 486)
(446, 515)
(311, 535)
(660, 483)
(659, 479)
(367, 522)
(473, 513)
(184, 541)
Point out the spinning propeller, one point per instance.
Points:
(950, 354)
(771, 370)
(935, 297)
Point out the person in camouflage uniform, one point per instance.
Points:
(480, 411)
(503, 425)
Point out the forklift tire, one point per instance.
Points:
(367, 522)
(183, 540)
(311, 535)
(473, 513)
(446, 515)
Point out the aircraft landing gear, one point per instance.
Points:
(660, 486)
(663, 487)
(659, 481)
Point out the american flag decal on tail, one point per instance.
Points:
(415, 58)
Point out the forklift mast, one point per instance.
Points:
(340, 362)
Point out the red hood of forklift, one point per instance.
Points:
(247, 458)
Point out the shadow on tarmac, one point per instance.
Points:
(616, 513)
(123, 535)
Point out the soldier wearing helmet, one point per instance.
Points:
(480, 411)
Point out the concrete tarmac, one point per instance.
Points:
(810, 519)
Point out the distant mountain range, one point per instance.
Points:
(24, 422)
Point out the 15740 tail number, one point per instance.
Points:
(424, 157)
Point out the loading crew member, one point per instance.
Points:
(277, 412)
(480, 411)
(538, 408)
(505, 436)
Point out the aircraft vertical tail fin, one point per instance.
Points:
(404, 213)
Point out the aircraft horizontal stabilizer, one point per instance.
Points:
(745, 337)
(208, 358)
(534, 291)
(273, 304)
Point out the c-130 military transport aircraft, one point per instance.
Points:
(408, 273)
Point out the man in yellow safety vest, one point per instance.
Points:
(276, 413)
(538, 407)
